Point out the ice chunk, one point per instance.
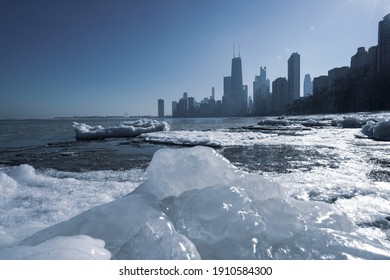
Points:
(206, 138)
(124, 129)
(220, 220)
(158, 239)
(279, 121)
(349, 122)
(115, 222)
(173, 172)
(196, 204)
(60, 248)
(377, 130)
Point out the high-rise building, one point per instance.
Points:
(294, 77)
(337, 78)
(364, 64)
(261, 92)
(320, 85)
(174, 108)
(161, 108)
(212, 93)
(250, 105)
(234, 100)
(279, 95)
(307, 86)
(384, 46)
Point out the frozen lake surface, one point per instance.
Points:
(295, 188)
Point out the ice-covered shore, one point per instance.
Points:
(124, 129)
(195, 204)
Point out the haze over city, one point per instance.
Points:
(65, 58)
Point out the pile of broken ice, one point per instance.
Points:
(195, 204)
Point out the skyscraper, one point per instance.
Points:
(212, 93)
(384, 46)
(279, 95)
(307, 86)
(235, 102)
(161, 108)
(294, 77)
(261, 92)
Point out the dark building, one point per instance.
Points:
(261, 93)
(337, 77)
(279, 95)
(384, 46)
(174, 108)
(294, 77)
(364, 64)
(161, 108)
(235, 102)
(320, 85)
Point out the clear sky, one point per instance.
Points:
(108, 57)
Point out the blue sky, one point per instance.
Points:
(102, 57)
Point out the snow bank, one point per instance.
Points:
(124, 129)
(196, 204)
(377, 130)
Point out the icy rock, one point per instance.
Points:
(349, 122)
(60, 248)
(278, 122)
(377, 130)
(124, 129)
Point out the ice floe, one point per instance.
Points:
(124, 129)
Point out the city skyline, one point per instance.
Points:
(108, 58)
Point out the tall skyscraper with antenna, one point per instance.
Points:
(235, 98)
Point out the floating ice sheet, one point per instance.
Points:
(124, 129)
(206, 138)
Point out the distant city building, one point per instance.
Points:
(245, 105)
(320, 84)
(307, 86)
(250, 105)
(261, 93)
(212, 93)
(337, 78)
(161, 108)
(174, 108)
(294, 77)
(364, 64)
(384, 46)
(236, 105)
(279, 95)
(187, 107)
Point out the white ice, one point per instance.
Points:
(196, 204)
(205, 138)
(124, 129)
